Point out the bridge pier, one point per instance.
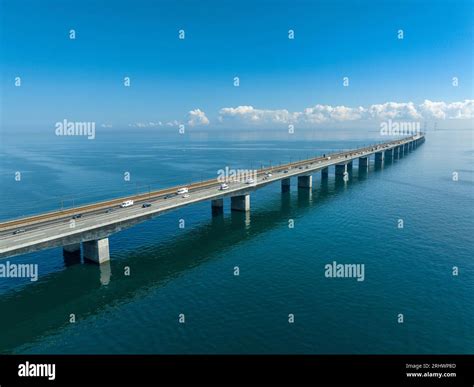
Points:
(305, 181)
(240, 203)
(349, 166)
(396, 152)
(217, 206)
(285, 184)
(324, 173)
(389, 153)
(341, 169)
(379, 157)
(97, 251)
(363, 162)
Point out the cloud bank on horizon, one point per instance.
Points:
(246, 115)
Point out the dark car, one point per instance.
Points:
(146, 205)
(77, 216)
(168, 196)
(19, 231)
(108, 210)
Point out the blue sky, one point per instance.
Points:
(82, 79)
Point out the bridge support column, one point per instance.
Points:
(217, 206)
(305, 181)
(349, 166)
(341, 169)
(240, 203)
(389, 153)
(379, 157)
(325, 173)
(97, 251)
(363, 162)
(285, 184)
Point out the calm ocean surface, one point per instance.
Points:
(191, 270)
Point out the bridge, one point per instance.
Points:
(91, 225)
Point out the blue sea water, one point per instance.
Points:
(190, 271)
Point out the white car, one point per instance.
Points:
(223, 187)
(250, 181)
(182, 191)
(269, 174)
(127, 203)
(185, 196)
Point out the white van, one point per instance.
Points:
(127, 203)
(181, 191)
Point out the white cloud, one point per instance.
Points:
(327, 114)
(258, 116)
(324, 113)
(463, 110)
(152, 124)
(197, 117)
(394, 111)
(333, 114)
(312, 115)
(172, 123)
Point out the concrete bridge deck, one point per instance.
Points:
(100, 220)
